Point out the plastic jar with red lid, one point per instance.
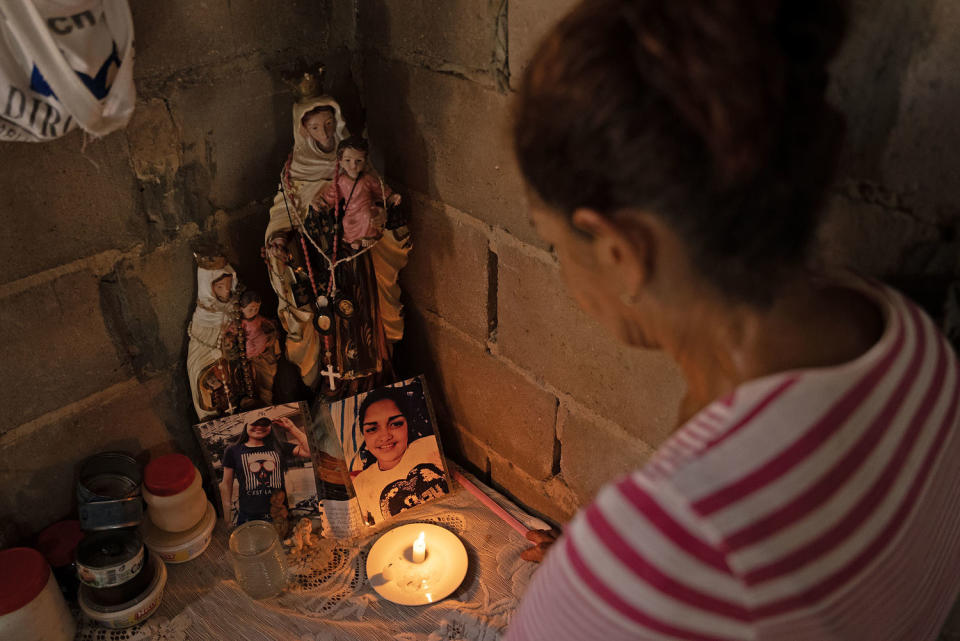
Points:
(58, 544)
(173, 493)
(31, 605)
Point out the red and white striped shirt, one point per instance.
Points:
(811, 504)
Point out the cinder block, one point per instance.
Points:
(592, 453)
(238, 129)
(268, 27)
(460, 33)
(500, 408)
(240, 233)
(551, 499)
(38, 469)
(894, 80)
(59, 204)
(529, 21)
(449, 138)
(154, 140)
(55, 348)
(448, 269)
(542, 330)
(170, 277)
(868, 238)
(149, 301)
(180, 35)
(464, 448)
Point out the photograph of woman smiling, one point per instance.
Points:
(400, 456)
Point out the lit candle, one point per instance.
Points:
(419, 549)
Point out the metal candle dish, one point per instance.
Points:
(410, 570)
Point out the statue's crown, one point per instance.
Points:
(305, 81)
(211, 262)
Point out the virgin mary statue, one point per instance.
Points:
(333, 301)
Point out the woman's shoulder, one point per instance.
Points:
(764, 416)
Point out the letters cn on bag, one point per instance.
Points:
(63, 65)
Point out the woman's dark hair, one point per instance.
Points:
(271, 441)
(709, 114)
(405, 400)
(353, 142)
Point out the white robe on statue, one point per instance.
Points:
(209, 319)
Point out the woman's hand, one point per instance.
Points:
(542, 540)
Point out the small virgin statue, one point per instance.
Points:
(221, 376)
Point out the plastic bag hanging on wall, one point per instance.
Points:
(64, 64)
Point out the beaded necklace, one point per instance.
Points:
(242, 348)
(297, 223)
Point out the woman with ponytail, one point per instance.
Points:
(676, 156)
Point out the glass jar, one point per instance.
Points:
(258, 560)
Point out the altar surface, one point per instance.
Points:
(331, 599)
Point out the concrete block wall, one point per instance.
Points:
(533, 395)
(530, 392)
(100, 282)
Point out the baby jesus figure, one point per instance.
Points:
(360, 192)
(262, 346)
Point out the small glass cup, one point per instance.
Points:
(258, 560)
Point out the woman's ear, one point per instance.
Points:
(622, 248)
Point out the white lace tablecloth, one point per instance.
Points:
(331, 600)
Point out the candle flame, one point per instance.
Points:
(420, 543)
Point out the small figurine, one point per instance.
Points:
(262, 347)
(362, 220)
(303, 540)
(219, 375)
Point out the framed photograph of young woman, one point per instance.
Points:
(261, 462)
(391, 448)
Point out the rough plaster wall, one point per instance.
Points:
(532, 394)
(99, 281)
(896, 211)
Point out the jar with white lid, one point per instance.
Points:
(173, 493)
(31, 605)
